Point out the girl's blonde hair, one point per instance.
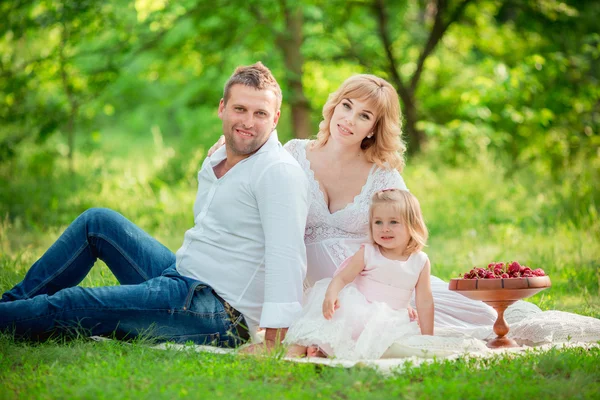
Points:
(386, 144)
(409, 212)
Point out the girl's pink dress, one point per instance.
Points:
(373, 309)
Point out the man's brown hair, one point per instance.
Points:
(256, 76)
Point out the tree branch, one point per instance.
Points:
(437, 32)
(382, 22)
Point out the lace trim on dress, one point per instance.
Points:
(316, 187)
(352, 221)
(340, 253)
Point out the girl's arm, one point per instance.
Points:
(424, 300)
(346, 275)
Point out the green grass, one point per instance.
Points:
(476, 214)
(109, 370)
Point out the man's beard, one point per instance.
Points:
(250, 147)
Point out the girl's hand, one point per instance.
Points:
(216, 146)
(346, 275)
(412, 314)
(330, 304)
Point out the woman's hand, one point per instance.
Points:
(330, 304)
(216, 146)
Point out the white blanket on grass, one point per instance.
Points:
(386, 366)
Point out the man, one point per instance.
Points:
(240, 267)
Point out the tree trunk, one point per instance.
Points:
(73, 106)
(290, 43)
(415, 138)
(407, 91)
(71, 135)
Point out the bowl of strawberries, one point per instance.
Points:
(500, 285)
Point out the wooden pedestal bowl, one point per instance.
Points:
(499, 294)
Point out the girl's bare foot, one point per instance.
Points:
(296, 350)
(315, 351)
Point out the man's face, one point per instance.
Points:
(249, 117)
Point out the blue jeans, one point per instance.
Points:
(152, 300)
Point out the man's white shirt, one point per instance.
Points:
(248, 238)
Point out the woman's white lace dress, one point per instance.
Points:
(333, 237)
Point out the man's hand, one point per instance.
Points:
(330, 304)
(273, 339)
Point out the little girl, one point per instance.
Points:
(363, 310)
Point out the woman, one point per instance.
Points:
(357, 152)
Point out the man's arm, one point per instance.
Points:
(282, 198)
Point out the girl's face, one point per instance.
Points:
(352, 121)
(389, 231)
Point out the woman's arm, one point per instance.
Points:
(346, 275)
(220, 142)
(424, 300)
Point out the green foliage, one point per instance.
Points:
(515, 79)
(530, 92)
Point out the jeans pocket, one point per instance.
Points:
(202, 302)
(192, 291)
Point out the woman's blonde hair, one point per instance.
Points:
(409, 212)
(386, 144)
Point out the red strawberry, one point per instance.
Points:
(490, 275)
(514, 268)
(539, 272)
(505, 275)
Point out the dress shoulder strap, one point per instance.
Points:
(419, 260)
(369, 252)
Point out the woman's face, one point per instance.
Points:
(352, 121)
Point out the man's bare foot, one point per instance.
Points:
(315, 351)
(296, 350)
